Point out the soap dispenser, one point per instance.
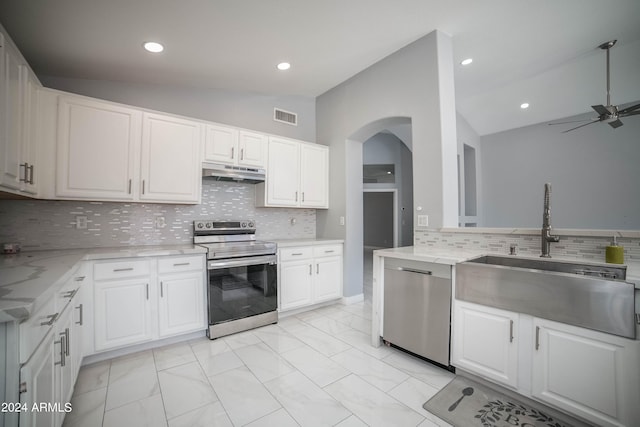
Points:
(614, 254)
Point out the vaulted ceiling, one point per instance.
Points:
(543, 52)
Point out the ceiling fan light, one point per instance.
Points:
(466, 61)
(524, 105)
(283, 66)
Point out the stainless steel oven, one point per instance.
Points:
(242, 277)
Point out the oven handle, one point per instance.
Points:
(241, 262)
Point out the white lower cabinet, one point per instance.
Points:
(484, 342)
(309, 275)
(38, 383)
(143, 300)
(587, 373)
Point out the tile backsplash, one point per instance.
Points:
(44, 224)
(587, 247)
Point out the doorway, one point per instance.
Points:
(380, 224)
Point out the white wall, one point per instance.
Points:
(243, 109)
(415, 83)
(594, 172)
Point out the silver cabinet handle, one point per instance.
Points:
(233, 149)
(52, 319)
(510, 330)
(317, 268)
(81, 314)
(80, 278)
(70, 294)
(147, 291)
(66, 341)
(30, 168)
(26, 168)
(129, 186)
(143, 186)
(62, 361)
(413, 270)
(537, 337)
(329, 252)
(181, 264)
(297, 254)
(310, 269)
(161, 290)
(303, 196)
(242, 154)
(117, 270)
(296, 196)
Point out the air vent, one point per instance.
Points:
(285, 117)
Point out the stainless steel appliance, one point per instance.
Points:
(242, 276)
(417, 308)
(221, 172)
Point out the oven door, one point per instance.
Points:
(241, 287)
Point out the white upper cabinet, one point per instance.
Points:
(235, 147)
(297, 175)
(107, 151)
(170, 165)
(97, 150)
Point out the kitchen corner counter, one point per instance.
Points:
(284, 243)
(426, 254)
(29, 279)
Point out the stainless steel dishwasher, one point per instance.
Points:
(417, 308)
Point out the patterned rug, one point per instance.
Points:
(465, 403)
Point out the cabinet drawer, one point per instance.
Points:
(290, 254)
(120, 269)
(327, 250)
(177, 264)
(34, 329)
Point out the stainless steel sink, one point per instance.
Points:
(585, 295)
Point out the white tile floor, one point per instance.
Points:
(314, 369)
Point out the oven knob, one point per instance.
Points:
(200, 225)
(208, 225)
(251, 224)
(243, 224)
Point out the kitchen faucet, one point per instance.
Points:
(547, 238)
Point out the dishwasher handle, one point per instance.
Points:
(414, 270)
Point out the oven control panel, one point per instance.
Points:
(224, 227)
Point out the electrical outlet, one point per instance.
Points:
(160, 223)
(81, 222)
(423, 220)
(341, 220)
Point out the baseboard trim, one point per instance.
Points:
(354, 299)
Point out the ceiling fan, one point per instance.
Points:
(609, 114)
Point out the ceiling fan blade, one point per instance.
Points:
(629, 109)
(578, 127)
(571, 121)
(615, 124)
(601, 109)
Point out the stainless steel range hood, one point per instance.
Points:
(220, 172)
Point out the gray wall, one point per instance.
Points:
(384, 148)
(243, 109)
(44, 224)
(594, 172)
(468, 136)
(415, 84)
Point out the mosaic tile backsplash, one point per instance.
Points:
(589, 248)
(43, 224)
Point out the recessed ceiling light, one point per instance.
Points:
(466, 61)
(524, 105)
(284, 66)
(153, 47)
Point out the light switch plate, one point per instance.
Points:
(81, 222)
(423, 220)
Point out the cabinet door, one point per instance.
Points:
(97, 151)
(484, 342)
(328, 279)
(37, 378)
(29, 131)
(253, 149)
(221, 145)
(122, 313)
(295, 283)
(181, 303)
(314, 178)
(581, 371)
(283, 172)
(11, 167)
(170, 169)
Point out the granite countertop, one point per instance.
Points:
(455, 256)
(283, 243)
(29, 279)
